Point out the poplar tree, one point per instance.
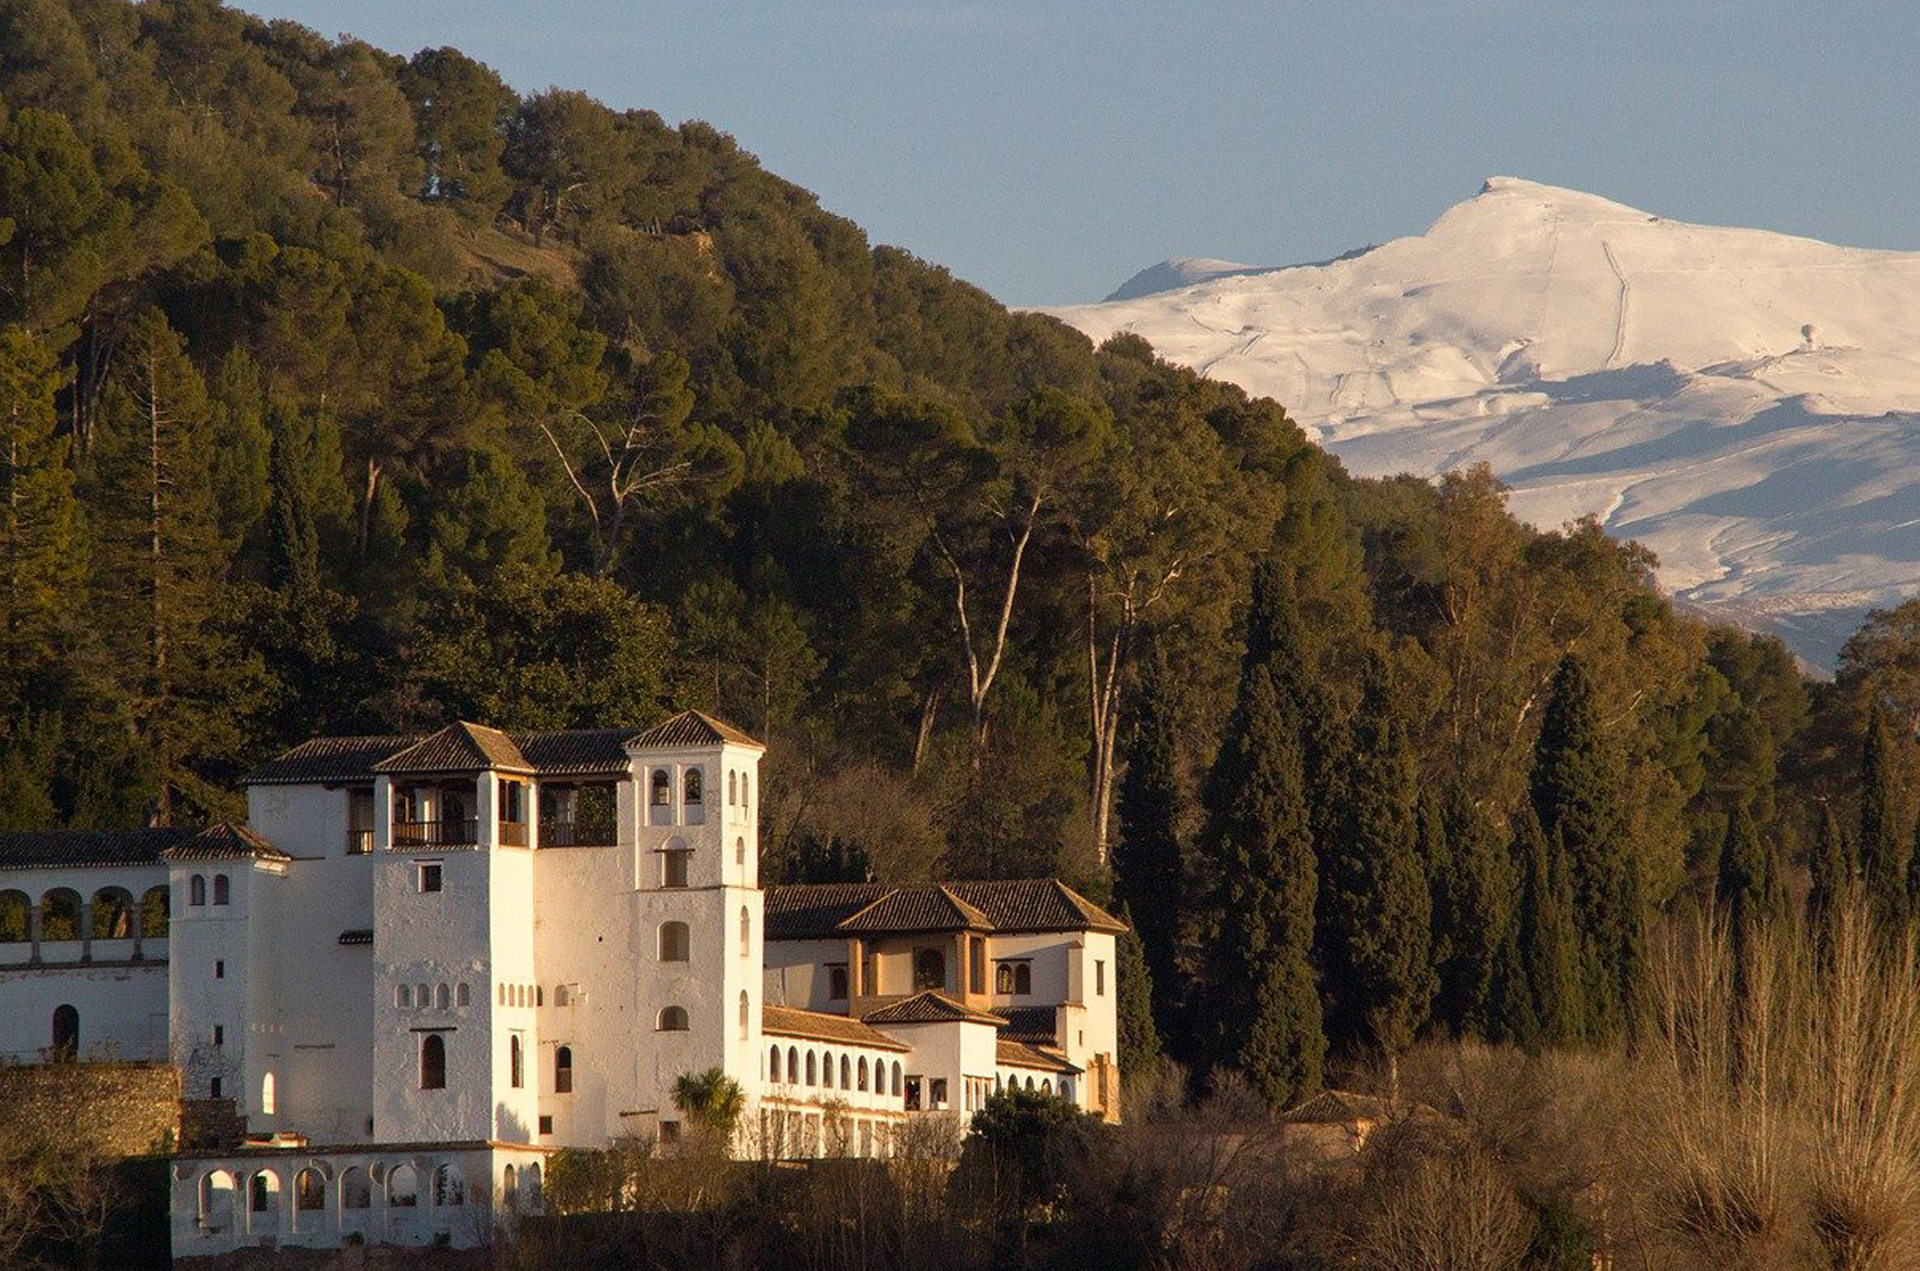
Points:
(1885, 849)
(1149, 859)
(1577, 789)
(1265, 1012)
(42, 564)
(1379, 913)
(1473, 918)
(1547, 938)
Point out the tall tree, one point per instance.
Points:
(1149, 859)
(1884, 846)
(1832, 870)
(1578, 796)
(1265, 1009)
(1473, 916)
(1547, 938)
(1379, 979)
(461, 111)
(1139, 1036)
(42, 561)
(1748, 885)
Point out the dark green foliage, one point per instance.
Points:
(1546, 942)
(1749, 887)
(1264, 1010)
(1139, 1041)
(1149, 859)
(1377, 912)
(1832, 870)
(1885, 848)
(1473, 915)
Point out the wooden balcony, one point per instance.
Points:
(513, 834)
(579, 834)
(447, 832)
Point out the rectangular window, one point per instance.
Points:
(1099, 978)
(546, 1125)
(429, 876)
(976, 965)
(913, 1094)
(837, 981)
(673, 868)
(213, 1088)
(219, 1035)
(938, 1093)
(219, 969)
(1013, 978)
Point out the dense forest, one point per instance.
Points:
(344, 391)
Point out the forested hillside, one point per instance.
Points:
(344, 391)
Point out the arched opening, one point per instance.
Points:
(733, 787)
(221, 889)
(896, 1077)
(442, 996)
(433, 1061)
(309, 1191)
(266, 1095)
(216, 1201)
(563, 1070)
(746, 933)
(60, 915)
(510, 1186)
(862, 1072)
(16, 923)
(929, 969)
(112, 914)
(826, 1071)
(813, 1071)
(66, 1031)
(793, 1064)
(740, 852)
(846, 1073)
(356, 1189)
(745, 1016)
(695, 783)
(743, 789)
(263, 1201)
(461, 994)
(449, 1186)
(533, 1185)
(674, 942)
(673, 1019)
(516, 1062)
(155, 912)
(662, 788)
(773, 1063)
(403, 1188)
(197, 890)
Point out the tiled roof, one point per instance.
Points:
(930, 1008)
(916, 909)
(47, 849)
(328, 759)
(225, 842)
(816, 911)
(359, 935)
(1028, 1023)
(581, 751)
(459, 747)
(1018, 1054)
(789, 1021)
(690, 728)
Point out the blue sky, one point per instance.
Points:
(1048, 149)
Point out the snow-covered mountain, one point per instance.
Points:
(1745, 403)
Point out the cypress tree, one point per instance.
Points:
(1473, 918)
(1264, 1012)
(1149, 858)
(1832, 875)
(293, 542)
(1576, 786)
(1884, 848)
(1748, 887)
(1375, 897)
(1139, 1038)
(41, 561)
(1547, 938)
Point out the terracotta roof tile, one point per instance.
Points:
(690, 728)
(225, 842)
(47, 849)
(789, 1021)
(1028, 1023)
(916, 909)
(815, 911)
(930, 1007)
(460, 747)
(328, 760)
(576, 751)
(1019, 1054)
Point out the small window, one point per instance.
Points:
(213, 1088)
(441, 998)
(460, 995)
(219, 1035)
(674, 942)
(546, 1125)
(539, 995)
(402, 997)
(746, 933)
(813, 1069)
(561, 995)
(929, 969)
(563, 1070)
(674, 867)
(896, 1079)
(740, 852)
(219, 889)
(219, 968)
(197, 890)
(516, 1062)
(429, 876)
(743, 789)
(662, 788)
(266, 1095)
(1099, 978)
(673, 1019)
(773, 1064)
(695, 784)
(913, 1094)
(937, 1092)
(862, 1070)
(733, 787)
(433, 1062)
(837, 981)
(1013, 978)
(503, 995)
(846, 1073)
(746, 1016)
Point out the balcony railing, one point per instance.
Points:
(447, 832)
(513, 833)
(578, 834)
(359, 842)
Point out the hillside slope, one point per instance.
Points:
(1746, 403)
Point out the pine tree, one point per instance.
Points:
(1149, 859)
(1547, 938)
(1473, 917)
(42, 563)
(1264, 1009)
(1885, 849)
(1139, 1037)
(1379, 912)
(1833, 887)
(1577, 794)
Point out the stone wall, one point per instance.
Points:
(122, 1109)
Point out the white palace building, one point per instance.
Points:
(425, 963)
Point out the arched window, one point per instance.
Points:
(220, 889)
(449, 1186)
(16, 925)
(460, 994)
(773, 1064)
(441, 998)
(309, 1191)
(356, 1190)
(826, 1071)
(733, 787)
(60, 915)
(516, 1062)
(673, 1019)
(695, 785)
(929, 969)
(433, 1061)
(1003, 978)
(746, 933)
(813, 1069)
(837, 982)
(216, 1200)
(743, 789)
(846, 1073)
(560, 995)
(793, 1064)
(66, 1031)
(662, 788)
(863, 1072)
(563, 1070)
(509, 1184)
(402, 996)
(503, 995)
(112, 914)
(403, 1188)
(896, 1077)
(197, 890)
(673, 942)
(740, 852)
(154, 911)
(746, 1008)
(266, 1095)
(421, 997)
(263, 1192)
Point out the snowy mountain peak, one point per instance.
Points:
(1747, 403)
